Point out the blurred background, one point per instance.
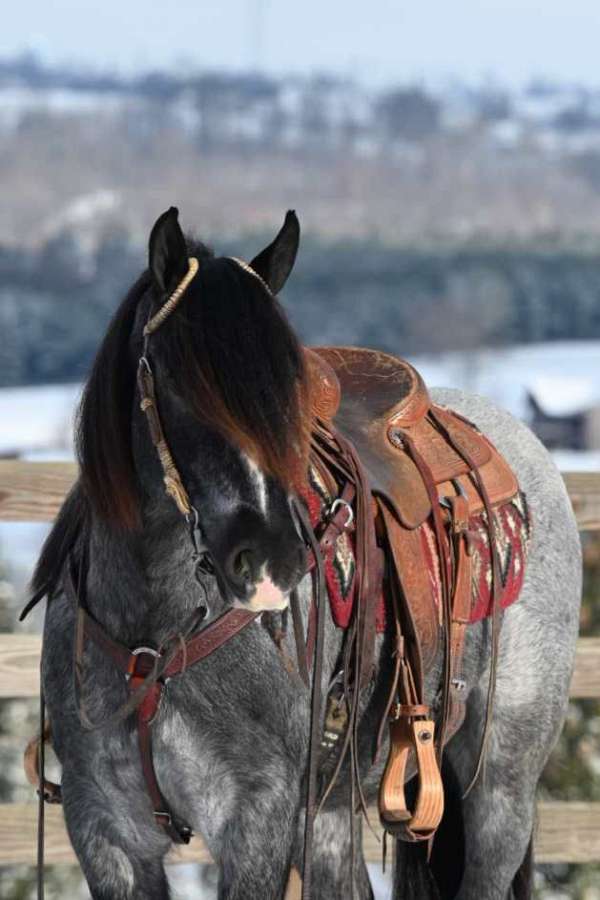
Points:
(444, 160)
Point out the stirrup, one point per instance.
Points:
(410, 733)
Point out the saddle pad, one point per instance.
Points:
(512, 532)
(512, 528)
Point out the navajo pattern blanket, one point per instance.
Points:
(512, 528)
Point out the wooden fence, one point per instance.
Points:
(33, 492)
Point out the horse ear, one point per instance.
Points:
(167, 251)
(276, 261)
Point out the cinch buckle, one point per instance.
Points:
(131, 673)
(163, 815)
(337, 503)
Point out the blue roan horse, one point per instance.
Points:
(200, 386)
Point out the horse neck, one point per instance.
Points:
(141, 585)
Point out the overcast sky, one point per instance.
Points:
(378, 40)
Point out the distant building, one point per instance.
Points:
(564, 412)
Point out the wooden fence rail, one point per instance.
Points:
(33, 492)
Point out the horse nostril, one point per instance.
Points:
(241, 566)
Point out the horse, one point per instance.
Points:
(230, 738)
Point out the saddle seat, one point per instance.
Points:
(372, 398)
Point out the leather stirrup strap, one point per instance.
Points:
(411, 732)
(446, 579)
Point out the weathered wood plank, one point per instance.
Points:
(584, 491)
(19, 666)
(566, 832)
(586, 677)
(33, 492)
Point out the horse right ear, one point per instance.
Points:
(276, 261)
(167, 251)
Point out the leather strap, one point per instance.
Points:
(495, 590)
(147, 671)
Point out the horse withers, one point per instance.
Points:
(178, 699)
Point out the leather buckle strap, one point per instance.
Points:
(137, 667)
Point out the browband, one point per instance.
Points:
(167, 308)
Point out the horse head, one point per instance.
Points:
(230, 398)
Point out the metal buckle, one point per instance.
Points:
(336, 505)
(137, 652)
(445, 501)
(166, 815)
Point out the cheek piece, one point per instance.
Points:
(173, 482)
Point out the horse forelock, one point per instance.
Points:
(236, 362)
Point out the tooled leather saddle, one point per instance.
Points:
(427, 468)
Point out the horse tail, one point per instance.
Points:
(523, 881)
(413, 878)
(416, 878)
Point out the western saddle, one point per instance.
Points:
(423, 463)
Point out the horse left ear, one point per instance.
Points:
(167, 251)
(276, 261)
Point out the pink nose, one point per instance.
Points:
(267, 596)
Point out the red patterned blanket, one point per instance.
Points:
(512, 530)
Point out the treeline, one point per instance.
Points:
(55, 302)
